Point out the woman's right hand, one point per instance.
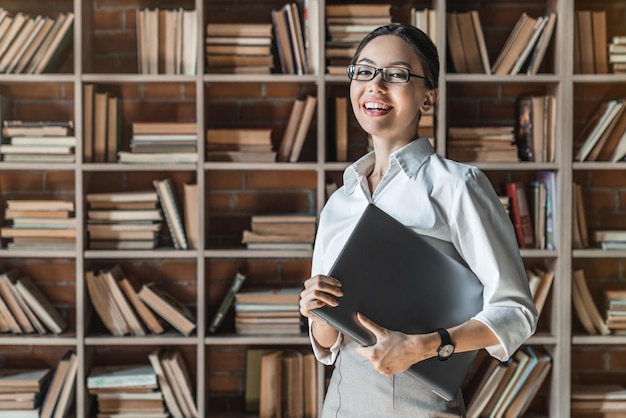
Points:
(319, 291)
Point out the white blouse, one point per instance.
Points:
(447, 200)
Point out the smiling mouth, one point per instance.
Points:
(376, 106)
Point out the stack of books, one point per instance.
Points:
(603, 138)
(280, 232)
(40, 224)
(598, 400)
(34, 44)
(162, 142)
(21, 391)
(273, 311)
(347, 25)
(24, 309)
(239, 48)
(280, 383)
(40, 142)
(123, 220)
(175, 383)
(167, 41)
(617, 54)
(590, 42)
(126, 389)
(290, 40)
(240, 145)
(482, 144)
(610, 239)
(616, 310)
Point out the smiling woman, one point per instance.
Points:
(394, 77)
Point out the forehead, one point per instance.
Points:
(389, 50)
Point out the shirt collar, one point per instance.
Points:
(409, 158)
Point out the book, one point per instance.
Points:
(469, 42)
(58, 44)
(130, 286)
(514, 45)
(301, 134)
(165, 190)
(589, 305)
(489, 379)
(111, 277)
(165, 385)
(56, 384)
(42, 307)
(170, 309)
(219, 315)
(286, 144)
(341, 128)
(581, 311)
(10, 297)
(103, 304)
(253, 377)
(520, 214)
(599, 123)
(181, 382)
(531, 386)
(542, 45)
(16, 300)
(68, 391)
(120, 377)
(548, 178)
(455, 43)
(190, 211)
(23, 379)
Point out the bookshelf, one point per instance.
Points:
(104, 53)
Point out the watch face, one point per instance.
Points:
(446, 350)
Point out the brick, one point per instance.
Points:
(115, 42)
(231, 91)
(224, 180)
(588, 359)
(281, 180)
(108, 20)
(274, 203)
(608, 179)
(164, 91)
(218, 202)
(223, 384)
(226, 361)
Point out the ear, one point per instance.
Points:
(429, 100)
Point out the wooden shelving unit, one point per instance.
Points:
(103, 53)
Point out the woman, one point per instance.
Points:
(394, 78)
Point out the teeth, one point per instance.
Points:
(376, 106)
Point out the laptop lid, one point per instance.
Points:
(406, 282)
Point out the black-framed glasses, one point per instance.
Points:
(364, 72)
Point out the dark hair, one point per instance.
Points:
(418, 40)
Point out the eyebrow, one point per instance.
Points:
(393, 64)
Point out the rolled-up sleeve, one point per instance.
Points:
(484, 236)
(324, 355)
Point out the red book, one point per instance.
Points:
(520, 214)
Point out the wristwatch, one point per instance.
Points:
(446, 348)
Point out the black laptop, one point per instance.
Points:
(406, 282)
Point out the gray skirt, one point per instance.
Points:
(356, 389)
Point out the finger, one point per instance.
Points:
(370, 325)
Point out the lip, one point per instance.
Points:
(376, 111)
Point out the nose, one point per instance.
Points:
(377, 82)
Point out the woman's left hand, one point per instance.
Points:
(394, 351)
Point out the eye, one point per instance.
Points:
(397, 73)
(363, 71)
